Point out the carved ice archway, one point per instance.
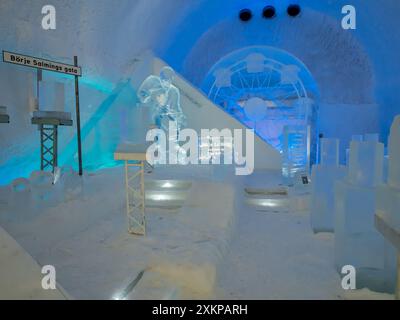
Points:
(266, 89)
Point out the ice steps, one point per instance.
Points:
(278, 199)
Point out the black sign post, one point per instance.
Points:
(78, 118)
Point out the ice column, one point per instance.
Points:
(388, 195)
(296, 152)
(357, 242)
(356, 137)
(323, 178)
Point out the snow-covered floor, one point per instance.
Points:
(215, 246)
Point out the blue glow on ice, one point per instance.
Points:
(97, 154)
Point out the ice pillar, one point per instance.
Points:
(357, 242)
(323, 178)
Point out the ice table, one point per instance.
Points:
(393, 236)
(48, 122)
(134, 155)
(4, 117)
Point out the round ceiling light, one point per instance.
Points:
(294, 10)
(269, 12)
(245, 15)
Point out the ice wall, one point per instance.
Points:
(352, 68)
(107, 39)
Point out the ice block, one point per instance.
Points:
(329, 152)
(394, 154)
(323, 179)
(357, 242)
(366, 163)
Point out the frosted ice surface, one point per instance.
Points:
(52, 96)
(388, 204)
(357, 137)
(394, 154)
(21, 194)
(388, 196)
(385, 169)
(295, 160)
(371, 137)
(357, 242)
(72, 184)
(322, 196)
(366, 163)
(41, 185)
(255, 63)
(329, 152)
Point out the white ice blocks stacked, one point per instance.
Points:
(388, 195)
(357, 242)
(323, 179)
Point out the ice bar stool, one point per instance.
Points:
(4, 117)
(357, 242)
(387, 218)
(323, 179)
(48, 122)
(134, 156)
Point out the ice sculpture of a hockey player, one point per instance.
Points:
(163, 98)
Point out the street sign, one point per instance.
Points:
(39, 63)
